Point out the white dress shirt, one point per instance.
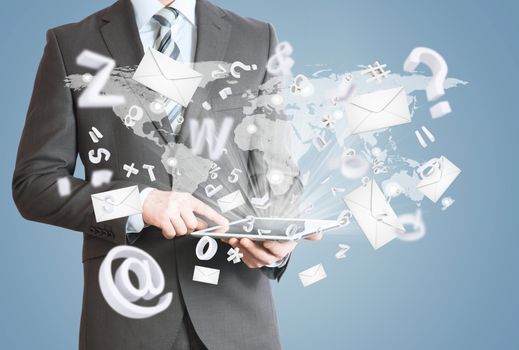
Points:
(183, 30)
(183, 33)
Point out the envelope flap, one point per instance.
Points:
(98, 196)
(127, 193)
(231, 197)
(380, 209)
(119, 196)
(360, 196)
(311, 272)
(377, 101)
(447, 167)
(206, 271)
(147, 67)
(172, 69)
(392, 220)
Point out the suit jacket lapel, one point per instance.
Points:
(122, 39)
(213, 34)
(121, 35)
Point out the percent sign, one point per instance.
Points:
(213, 172)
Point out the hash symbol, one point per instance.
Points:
(377, 72)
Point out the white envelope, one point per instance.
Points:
(231, 201)
(206, 275)
(373, 213)
(378, 110)
(435, 185)
(312, 275)
(115, 204)
(162, 74)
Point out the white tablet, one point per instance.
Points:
(274, 229)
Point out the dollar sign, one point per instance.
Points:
(281, 63)
(95, 158)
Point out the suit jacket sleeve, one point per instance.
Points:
(48, 152)
(280, 204)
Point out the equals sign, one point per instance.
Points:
(95, 134)
(427, 133)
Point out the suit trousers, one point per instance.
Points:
(186, 338)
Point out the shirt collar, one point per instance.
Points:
(186, 8)
(145, 9)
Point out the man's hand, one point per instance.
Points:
(259, 254)
(176, 213)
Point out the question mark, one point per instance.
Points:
(439, 68)
(243, 66)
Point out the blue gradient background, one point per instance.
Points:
(455, 289)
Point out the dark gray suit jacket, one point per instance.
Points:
(238, 313)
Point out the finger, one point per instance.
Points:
(179, 225)
(202, 208)
(251, 263)
(190, 220)
(248, 258)
(316, 237)
(233, 242)
(279, 249)
(202, 225)
(258, 252)
(167, 230)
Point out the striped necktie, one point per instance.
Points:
(164, 43)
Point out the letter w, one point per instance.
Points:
(206, 134)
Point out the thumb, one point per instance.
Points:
(316, 237)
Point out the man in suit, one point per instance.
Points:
(236, 314)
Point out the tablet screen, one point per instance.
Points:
(270, 227)
(258, 228)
